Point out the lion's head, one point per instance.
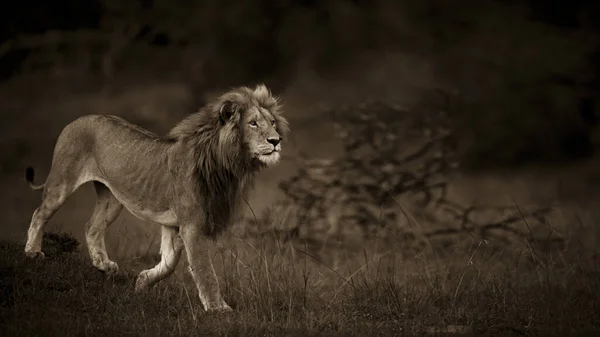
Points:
(252, 119)
(241, 130)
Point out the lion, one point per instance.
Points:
(190, 181)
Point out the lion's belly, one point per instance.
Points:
(166, 218)
(161, 216)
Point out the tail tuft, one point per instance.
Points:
(29, 174)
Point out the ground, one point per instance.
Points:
(276, 290)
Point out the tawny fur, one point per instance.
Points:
(190, 181)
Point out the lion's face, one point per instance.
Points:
(252, 118)
(261, 135)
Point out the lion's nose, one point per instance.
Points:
(274, 140)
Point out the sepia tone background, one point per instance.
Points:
(521, 77)
(440, 178)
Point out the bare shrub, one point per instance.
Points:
(390, 154)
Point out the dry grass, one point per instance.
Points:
(276, 289)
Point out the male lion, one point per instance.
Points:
(191, 181)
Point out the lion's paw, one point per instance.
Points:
(110, 268)
(142, 283)
(224, 308)
(35, 255)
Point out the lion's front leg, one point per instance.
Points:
(197, 247)
(170, 252)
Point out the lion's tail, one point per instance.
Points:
(29, 174)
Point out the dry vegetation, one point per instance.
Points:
(276, 289)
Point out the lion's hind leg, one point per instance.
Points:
(171, 247)
(56, 192)
(107, 209)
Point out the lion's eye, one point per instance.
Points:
(253, 123)
(273, 122)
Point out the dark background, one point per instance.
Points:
(525, 72)
(519, 81)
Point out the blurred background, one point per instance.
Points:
(509, 88)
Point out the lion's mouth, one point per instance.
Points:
(269, 157)
(269, 153)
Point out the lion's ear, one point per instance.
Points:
(226, 111)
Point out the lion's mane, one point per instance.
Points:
(223, 168)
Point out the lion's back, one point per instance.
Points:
(108, 125)
(104, 136)
(91, 130)
(112, 148)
